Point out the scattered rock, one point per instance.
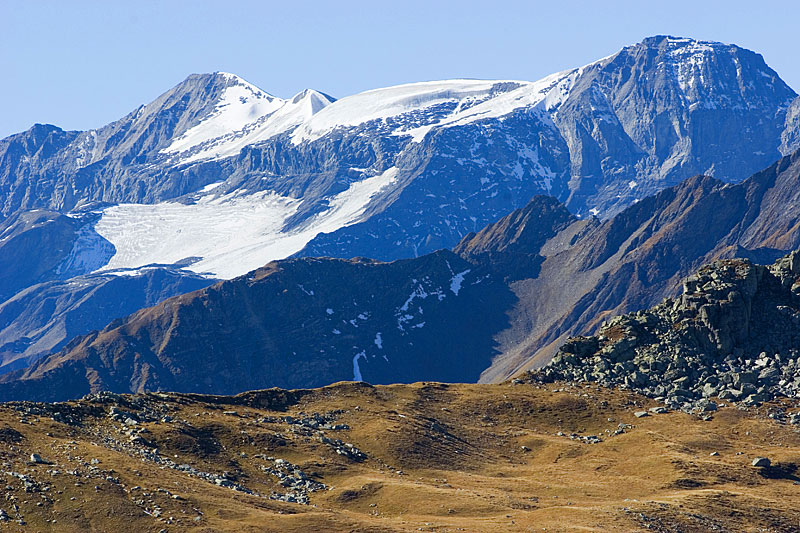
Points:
(37, 459)
(761, 462)
(709, 342)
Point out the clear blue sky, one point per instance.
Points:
(81, 64)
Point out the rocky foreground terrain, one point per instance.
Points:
(421, 457)
(733, 334)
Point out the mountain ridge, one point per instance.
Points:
(507, 299)
(403, 171)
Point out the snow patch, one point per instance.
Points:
(233, 233)
(379, 341)
(457, 280)
(240, 104)
(211, 186)
(245, 115)
(356, 368)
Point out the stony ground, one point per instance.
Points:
(733, 335)
(430, 457)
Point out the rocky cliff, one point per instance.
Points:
(733, 335)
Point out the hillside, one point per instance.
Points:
(428, 456)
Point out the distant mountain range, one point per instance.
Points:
(502, 302)
(215, 178)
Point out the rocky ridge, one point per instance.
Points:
(733, 335)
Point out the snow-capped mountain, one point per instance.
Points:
(220, 170)
(219, 177)
(243, 115)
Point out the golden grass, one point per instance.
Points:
(459, 448)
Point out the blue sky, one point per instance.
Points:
(81, 64)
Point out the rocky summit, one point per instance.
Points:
(732, 336)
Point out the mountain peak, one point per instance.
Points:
(314, 95)
(513, 242)
(671, 40)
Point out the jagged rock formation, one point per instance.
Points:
(734, 334)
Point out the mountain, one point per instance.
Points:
(47, 167)
(400, 171)
(501, 303)
(216, 177)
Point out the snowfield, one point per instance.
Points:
(471, 100)
(230, 234)
(244, 115)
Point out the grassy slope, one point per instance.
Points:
(459, 448)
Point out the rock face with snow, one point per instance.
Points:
(402, 171)
(48, 294)
(217, 177)
(503, 302)
(33, 245)
(43, 317)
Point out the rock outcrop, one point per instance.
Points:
(733, 335)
